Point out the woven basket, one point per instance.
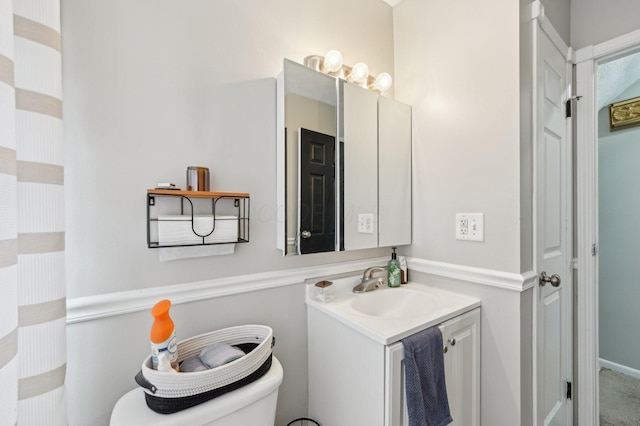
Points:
(167, 392)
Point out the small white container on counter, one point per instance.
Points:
(323, 291)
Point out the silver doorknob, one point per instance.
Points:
(452, 342)
(306, 234)
(553, 279)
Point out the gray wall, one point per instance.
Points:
(619, 202)
(463, 83)
(559, 14)
(152, 87)
(596, 21)
(472, 154)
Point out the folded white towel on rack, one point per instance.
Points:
(178, 229)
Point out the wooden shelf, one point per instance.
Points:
(197, 194)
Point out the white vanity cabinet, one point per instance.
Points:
(354, 380)
(461, 337)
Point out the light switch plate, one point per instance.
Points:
(470, 226)
(365, 223)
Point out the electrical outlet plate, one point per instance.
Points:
(470, 226)
(365, 223)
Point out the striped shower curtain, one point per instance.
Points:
(32, 281)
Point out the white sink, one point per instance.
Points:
(390, 314)
(393, 303)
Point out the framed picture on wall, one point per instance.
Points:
(624, 114)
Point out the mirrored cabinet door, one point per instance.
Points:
(307, 110)
(360, 139)
(394, 172)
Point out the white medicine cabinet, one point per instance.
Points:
(343, 165)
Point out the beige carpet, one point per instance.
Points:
(619, 399)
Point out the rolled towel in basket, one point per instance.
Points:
(218, 354)
(192, 364)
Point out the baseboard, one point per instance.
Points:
(619, 368)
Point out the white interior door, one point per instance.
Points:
(552, 232)
(587, 337)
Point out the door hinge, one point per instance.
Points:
(594, 250)
(568, 105)
(568, 389)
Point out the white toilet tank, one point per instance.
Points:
(253, 404)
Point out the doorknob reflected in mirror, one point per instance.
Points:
(553, 279)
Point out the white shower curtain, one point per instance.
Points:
(32, 281)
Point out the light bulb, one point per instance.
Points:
(332, 61)
(383, 82)
(359, 72)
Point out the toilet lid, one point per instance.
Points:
(132, 410)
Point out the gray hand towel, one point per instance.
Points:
(192, 364)
(218, 354)
(427, 402)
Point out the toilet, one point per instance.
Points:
(253, 404)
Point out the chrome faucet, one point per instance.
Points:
(369, 282)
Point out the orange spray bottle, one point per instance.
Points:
(163, 334)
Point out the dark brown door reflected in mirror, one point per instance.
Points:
(317, 192)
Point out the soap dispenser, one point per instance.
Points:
(393, 270)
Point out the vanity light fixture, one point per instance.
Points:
(382, 82)
(332, 61)
(359, 73)
(332, 64)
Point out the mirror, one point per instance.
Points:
(394, 173)
(364, 201)
(308, 107)
(359, 131)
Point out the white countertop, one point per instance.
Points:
(412, 307)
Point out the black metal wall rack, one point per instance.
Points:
(193, 218)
